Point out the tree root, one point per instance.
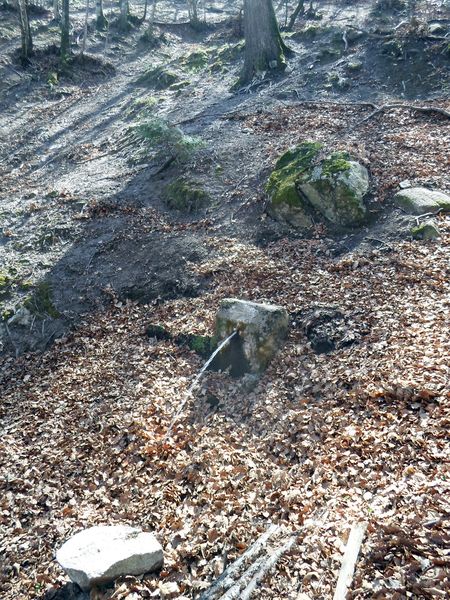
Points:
(421, 109)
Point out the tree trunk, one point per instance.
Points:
(100, 19)
(25, 31)
(65, 36)
(264, 48)
(193, 12)
(85, 29)
(145, 11)
(56, 13)
(123, 19)
(298, 9)
(151, 23)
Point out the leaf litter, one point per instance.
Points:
(321, 441)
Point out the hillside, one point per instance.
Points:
(98, 244)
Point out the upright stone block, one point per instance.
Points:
(261, 328)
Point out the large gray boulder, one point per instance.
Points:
(305, 186)
(99, 555)
(420, 201)
(262, 329)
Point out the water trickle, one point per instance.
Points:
(193, 385)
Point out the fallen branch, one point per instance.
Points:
(422, 109)
(266, 567)
(355, 539)
(226, 580)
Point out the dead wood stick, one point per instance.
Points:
(355, 539)
(226, 580)
(334, 103)
(422, 109)
(235, 592)
(266, 567)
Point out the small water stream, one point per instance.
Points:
(193, 385)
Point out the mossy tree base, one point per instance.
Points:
(264, 47)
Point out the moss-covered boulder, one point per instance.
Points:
(305, 186)
(426, 231)
(419, 201)
(261, 329)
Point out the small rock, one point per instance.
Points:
(22, 317)
(426, 231)
(169, 589)
(437, 29)
(418, 201)
(327, 329)
(404, 184)
(355, 65)
(99, 555)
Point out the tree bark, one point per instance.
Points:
(123, 19)
(100, 19)
(85, 28)
(151, 24)
(298, 9)
(193, 12)
(25, 31)
(264, 48)
(65, 36)
(56, 13)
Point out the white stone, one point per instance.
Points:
(99, 555)
(419, 201)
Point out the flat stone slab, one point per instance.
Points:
(420, 201)
(99, 555)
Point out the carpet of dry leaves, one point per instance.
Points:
(322, 441)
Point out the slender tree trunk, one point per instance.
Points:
(193, 12)
(65, 27)
(100, 19)
(123, 19)
(85, 32)
(145, 11)
(25, 31)
(152, 21)
(56, 13)
(300, 8)
(264, 48)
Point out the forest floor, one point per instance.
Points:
(90, 247)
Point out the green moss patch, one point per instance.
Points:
(196, 61)
(185, 195)
(289, 168)
(160, 139)
(426, 231)
(337, 163)
(159, 78)
(203, 345)
(40, 302)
